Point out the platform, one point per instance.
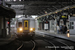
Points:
(4, 41)
(51, 33)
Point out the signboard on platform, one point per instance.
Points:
(64, 17)
(45, 26)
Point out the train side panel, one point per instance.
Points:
(32, 24)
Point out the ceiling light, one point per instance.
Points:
(19, 0)
(14, 0)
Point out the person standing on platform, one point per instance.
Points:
(64, 29)
(58, 29)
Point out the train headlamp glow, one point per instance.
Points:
(68, 35)
(31, 29)
(20, 29)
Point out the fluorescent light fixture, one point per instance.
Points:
(18, 16)
(34, 16)
(7, 0)
(14, 0)
(19, 0)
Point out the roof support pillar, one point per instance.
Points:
(3, 27)
(9, 26)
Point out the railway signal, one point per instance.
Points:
(7, 22)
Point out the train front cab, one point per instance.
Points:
(26, 30)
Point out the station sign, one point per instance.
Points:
(46, 26)
(64, 17)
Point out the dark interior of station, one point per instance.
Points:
(44, 36)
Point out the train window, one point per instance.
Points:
(72, 23)
(25, 24)
(72, 27)
(20, 24)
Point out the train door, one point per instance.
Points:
(72, 26)
(26, 25)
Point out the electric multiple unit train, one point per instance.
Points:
(24, 27)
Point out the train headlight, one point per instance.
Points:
(20, 29)
(31, 29)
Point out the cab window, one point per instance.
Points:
(20, 24)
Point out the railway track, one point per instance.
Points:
(57, 43)
(13, 45)
(40, 43)
(27, 45)
(19, 45)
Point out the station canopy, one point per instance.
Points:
(7, 12)
(37, 7)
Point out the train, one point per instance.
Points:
(24, 28)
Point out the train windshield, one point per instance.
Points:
(20, 24)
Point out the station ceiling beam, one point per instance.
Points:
(65, 8)
(32, 5)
